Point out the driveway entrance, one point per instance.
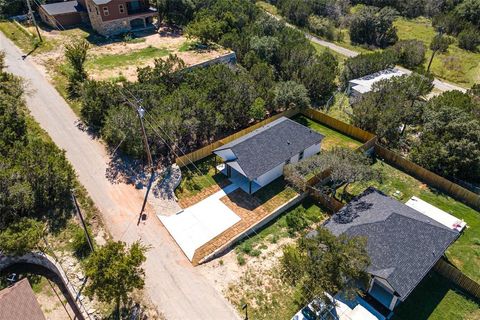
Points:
(200, 223)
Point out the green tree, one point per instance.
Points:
(206, 29)
(97, 98)
(392, 106)
(373, 26)
(410, 53)
(114, 271)
(290, 94)
(76, 54)
(439, 43)
(324, 263)
(449, 141)
(21, 237)
(257, 110)
(343, 165)
(122, 129)
(469, 10)
(469, 39)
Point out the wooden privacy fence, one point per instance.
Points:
(338, 125)
(345, 128)
(207, 150)
(456, 276)
(431, 179)
(330, 203)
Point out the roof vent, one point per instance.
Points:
(288, 142)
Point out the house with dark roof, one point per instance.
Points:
(18, 302)
(258, 158)
(403, 244)
(107, 17)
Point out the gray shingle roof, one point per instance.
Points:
(402, 243)
(265, 148)
(62, 7)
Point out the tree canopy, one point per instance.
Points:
(114, 271)
(392, 106)
(324, 263)
(35, 177)
(374, 26)
(344, 166)
(449, 141)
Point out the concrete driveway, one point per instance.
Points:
(200, 223)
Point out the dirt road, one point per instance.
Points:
(177, 289)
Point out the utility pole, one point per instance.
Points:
(30, 12)
(141, 113)
(80, 216)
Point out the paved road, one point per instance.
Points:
(175, 287)
(439, 84)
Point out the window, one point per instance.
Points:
(105, 11)
(300, 156)
(121, 8)
(96, 9)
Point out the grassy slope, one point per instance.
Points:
(457, 65)
(22, 40)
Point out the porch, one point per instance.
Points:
(238, 179)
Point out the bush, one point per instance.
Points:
(80, 243)
(469, 39)
(241, 259)
(296, 220)
(410, 53)
(321, 26)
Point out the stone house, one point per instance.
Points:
(107, 17)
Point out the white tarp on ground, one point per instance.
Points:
(200, 223)
(436, 214)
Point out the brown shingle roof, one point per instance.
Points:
(18, 302)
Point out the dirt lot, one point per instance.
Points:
(110, 59)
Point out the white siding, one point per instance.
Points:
(271, 175)
(312, 150)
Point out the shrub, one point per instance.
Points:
(321, 26)
(410, 53)
(80, 243)
(241, 259)
(296, 220)
(469, 39)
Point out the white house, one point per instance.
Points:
(258, 158)
(360, 86)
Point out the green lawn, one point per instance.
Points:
(198, 177)
(109, 61)
(436, 298)
(332, 137)
(23, 40)
(465, 252)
